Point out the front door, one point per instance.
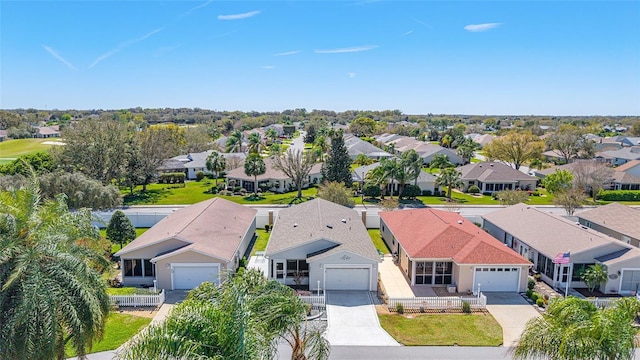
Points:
(279, 271)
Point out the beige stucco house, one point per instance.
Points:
(198, 243)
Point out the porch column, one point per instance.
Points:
(413, 272)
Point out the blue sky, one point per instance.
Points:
(455, 57)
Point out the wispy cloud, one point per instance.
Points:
(422, 23)
(346, 50)
(351, 74)
(195, 8)
(122, 46)
(287, 53)
(407, 33)
(268, 67)
(239, 16)
(55, 54)
(481, 27)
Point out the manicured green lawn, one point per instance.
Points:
(271, 198)
(118, 329)
(261, 241)
(443, 329)
(11, 149)
(377, 241)
(116, 247)
(127, 291)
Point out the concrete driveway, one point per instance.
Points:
(352, 320)
(512, 312)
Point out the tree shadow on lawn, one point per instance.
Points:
(147, 197)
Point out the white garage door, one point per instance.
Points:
(346, 279)
(189, 277)
(497, 278)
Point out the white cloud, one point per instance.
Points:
(351, 74)
(268, 67)
(346, 50)
(239, 16)
(55, 54)
(481, 27)
(122, 46)
(194, 9)
(287, 53)
(407, 33)
(422, 23)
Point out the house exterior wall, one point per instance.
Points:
(246, 239)
(453, 158)
(163, 266)
(426, 185)
(301, 251)
(610, 232)
(151, 251)
(316, 268)
(615, 271)
(388, 237)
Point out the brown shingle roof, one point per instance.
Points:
(308, 222)
(214, 227)
(628, 165)
(617, 217)
(437, 234)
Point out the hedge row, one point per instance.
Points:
(619, 195)
(171, 178)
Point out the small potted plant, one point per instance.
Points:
(537, 276)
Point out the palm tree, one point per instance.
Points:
(322, 144)
(52, 293)
(255, 143)
(466, 150)
(450, 178)
(439, 161)
(234, 142)
(271, 134)
(216, 163)
(594, 275)
(254, 166)
(574, 329)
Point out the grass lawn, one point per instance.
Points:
(11, 149)
(128, 291)
(272, 198)
(118, 329)
(116, 247)
(261, 241)
(443, 329)
(377, 241)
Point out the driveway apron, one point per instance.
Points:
(352, 320)
(512, 312)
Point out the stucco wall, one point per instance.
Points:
(163, 267)
(387, 237)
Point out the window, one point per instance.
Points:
(297, 268)
(424, 273)
(545, 265)
(279, 270)
(444, 270)
(578, 270)
(132, 267)
(149, 268)
(508, 239)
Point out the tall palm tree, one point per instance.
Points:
(449, 177)
(216, 163)
(440, 161)
(271, 134)
(322, 144)
(575, 329)
(254, 166)
(51, 293)
(234, 142)
(254, 143)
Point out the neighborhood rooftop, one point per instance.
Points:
(617, 217)
(271, 172)
(492, 172)
(321, 219)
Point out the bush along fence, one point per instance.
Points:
(317, 301)
(444, 303)
(137, 300)
(619, 195)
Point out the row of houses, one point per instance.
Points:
(319, 245)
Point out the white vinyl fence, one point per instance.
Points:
(317, 302)
(138, 300)
(602, 303)
(437, 302)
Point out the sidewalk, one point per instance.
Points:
(393, 280)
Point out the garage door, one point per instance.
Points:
(497, 278)
(189, 277)
(346, 279)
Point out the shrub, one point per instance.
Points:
(473, 189)
(494, 195)
(427, 193)
(171, 178)
(466, 307)
(243, 191)
(213, 190)
(267, 227)
(535, 193)
(534, 296)
(400, 308)
(221, 186)
(540, 302)
(529, 293)
(619, 195)
(243, 262)
(199, 175)
(237, 189)
(225, 193)
(371, 191)
(411, 191)
(531, 284)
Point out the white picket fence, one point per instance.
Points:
(602, 302)
(138, 300)
(317, 302)
(437, 302)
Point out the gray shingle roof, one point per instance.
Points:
(617, 217)
(627, 153)
(321, 219)
(492, 172)
(356, 146)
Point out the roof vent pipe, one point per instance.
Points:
(460, 222)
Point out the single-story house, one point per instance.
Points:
(428, 151)
(356, 146)
(624, 181)
(172, 166)
(543, 237)
(440, 248)
(554, 156)
(630, 141)
(425, 181)
(196, 162)
(48, 131)
(273, 179)
(621, 156)
(484, 139)
(198, 243)
(619, 221)
(495, 176)
(322, 244)
(632, 167)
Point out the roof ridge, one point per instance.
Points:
(438, 216)
(197, 215)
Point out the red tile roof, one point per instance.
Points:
(436, 234)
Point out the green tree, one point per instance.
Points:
(80, 191)
(271, 134)
(450, 178)
(635, 128)
(362, 126)
(467, 149)
(216, 163)
(120, 230)
(234, 142)
(254, 166)
(254, 143)
(411, 162)
(440, 161)
(296, 165)
(156, 144)
(321, 143)
(310, 136)
(594, 275)
(336, 193)
(337, 166)
(362, 159)
(41, 162)
(560, 180)
(196, 139)
(244, 318)
(514, 148)
(574, 329)
(52, 293)
(512, 197)
(568, 141)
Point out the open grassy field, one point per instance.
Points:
(11, 149)
(443, 329)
